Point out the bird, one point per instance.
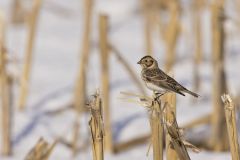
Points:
(158, 81)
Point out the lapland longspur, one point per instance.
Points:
(158, 81)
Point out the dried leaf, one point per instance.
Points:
(192, 147)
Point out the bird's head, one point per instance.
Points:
(148, 62)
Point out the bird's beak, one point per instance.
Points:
(139, 62)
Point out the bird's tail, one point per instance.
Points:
(192, 93)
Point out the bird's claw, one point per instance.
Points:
(158, 94)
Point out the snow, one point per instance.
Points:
(55, 66)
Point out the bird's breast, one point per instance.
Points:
(154, 87)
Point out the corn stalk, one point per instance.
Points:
(41, 151)
(97, 128)
(230, 114)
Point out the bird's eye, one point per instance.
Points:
(145, 60)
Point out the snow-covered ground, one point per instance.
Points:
(56, 59)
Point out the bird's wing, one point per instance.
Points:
(155, 75)
(160, 78)
(174, 84)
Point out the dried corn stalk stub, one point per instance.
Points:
(219, 139)
(95, 107)
(166, 116)
(5, 94)
(25, 77)
(154, 107)
(81, 82)
(177, 142)
(97, 127)
(41, 151)
(155, 111)
(157, 130)
(230, 114)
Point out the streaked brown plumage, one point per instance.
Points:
(156, 80)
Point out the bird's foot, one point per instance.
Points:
(159, 94)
